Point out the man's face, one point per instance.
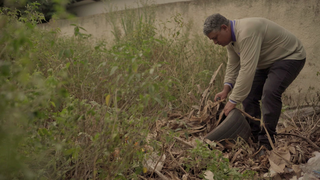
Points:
(222, 37)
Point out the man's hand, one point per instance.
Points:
(228, 107)
(223, 94)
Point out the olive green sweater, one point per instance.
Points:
(256, 44)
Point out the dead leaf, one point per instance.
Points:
(211, 143)
(297, 170)
(192, 97)
(278, 163)
(213, 78)
(185, 177)
(197, 127)
(175, 116)
(226, 156)
(227, 144)
(220, 118)
(152, 159)
(292, 150)
(236, 155)
(286, 129)
(173, 176)
(278, 168)
(195, 131)
(196, 107)
(208, 175)
(315, 159)
(199, 89)
(294, 178)
(269, 174)
(194, 141)
(195, 119)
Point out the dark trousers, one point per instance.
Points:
(268, 86)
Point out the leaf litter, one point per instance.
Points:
(295, 154)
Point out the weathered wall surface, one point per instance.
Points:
(87, 9)
(301, 17)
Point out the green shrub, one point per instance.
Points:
(214, 162)
(74, 108)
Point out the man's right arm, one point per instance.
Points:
(233, 67)
(232, 72)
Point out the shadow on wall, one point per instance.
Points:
(92, 7)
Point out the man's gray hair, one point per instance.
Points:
(214, 22)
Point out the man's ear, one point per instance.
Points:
(224, 27)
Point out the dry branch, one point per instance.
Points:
(206, 92)
(308, 140)
(184, 142)
(161, 175)
(286, 114)
(174, 159)
(154, 169)
(262, 124)
(235, 156)
(303, 112)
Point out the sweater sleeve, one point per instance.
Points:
(233, 67)
(249, 56)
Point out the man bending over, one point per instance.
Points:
(263, 60)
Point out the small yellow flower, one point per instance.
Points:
(145, 170)
(108, 100)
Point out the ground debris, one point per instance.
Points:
(297, 142)
(287, 161)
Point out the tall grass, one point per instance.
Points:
(75, 110)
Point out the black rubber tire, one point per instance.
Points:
(233, 126)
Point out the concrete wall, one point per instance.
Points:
(301, 17)
(88, 8)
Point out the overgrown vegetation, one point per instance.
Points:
(48, 8)
(73, 110)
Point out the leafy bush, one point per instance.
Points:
(74, 109)
(214, 162)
